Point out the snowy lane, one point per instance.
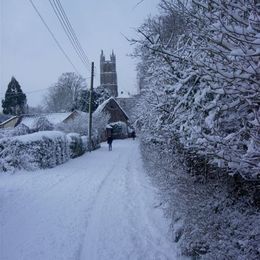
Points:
(98, 206)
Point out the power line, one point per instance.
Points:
(29, 92)
(72, 38)
(33, 91)
(73, 32)
(138, 4)
(68, 29)
(53, 36)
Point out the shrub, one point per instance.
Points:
(43, 124)
(75, 144)
(38, 150)
(95, 142)
(19, 130)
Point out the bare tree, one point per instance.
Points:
(66, 93)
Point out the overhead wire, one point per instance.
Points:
(69, 31)
(53, 36)
(73, 33)
(26, 93)
(33, 91)
(66, 25)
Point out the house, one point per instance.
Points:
(118, 119)
(53, 118)
(10, 123)
(4, 117)
(30, 120)
(114, 110)
(129, 105)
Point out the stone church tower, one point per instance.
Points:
(108, 76)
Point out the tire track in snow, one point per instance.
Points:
(79, 187)
(118, 227)
(90, 208)
(97, 211)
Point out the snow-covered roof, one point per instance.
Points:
(53, 118)
(4, 118)
(103, 105)
(81, 113)
(8, 120)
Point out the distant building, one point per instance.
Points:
(108, 75)
(4, 117)
(30, 120)
(114, 110)
(108, 82)
(10, 123)
(118, 119)
(129, 105)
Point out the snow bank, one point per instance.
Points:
(38, 150)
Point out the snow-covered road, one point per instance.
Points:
(98, 206)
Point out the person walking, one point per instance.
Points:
(109, 141)
(109, 132)
(133, 135)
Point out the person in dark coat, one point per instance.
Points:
(109, 141)
(133, 135)
(109, 131)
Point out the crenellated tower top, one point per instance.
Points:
(108, 75)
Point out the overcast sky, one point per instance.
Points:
(28, 52)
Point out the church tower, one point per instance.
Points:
(108, 75)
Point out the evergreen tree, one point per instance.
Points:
(15, 100)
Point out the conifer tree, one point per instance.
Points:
(15, 102)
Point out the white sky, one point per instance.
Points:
(28, 52)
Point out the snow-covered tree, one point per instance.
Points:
(99, 95)
(43, 124)
(71, 93)
(199, 117)
(81, 123)
(36, 110)
(99, 124)
(78, 125)
(205, 79)
(15, 100)
(65, 94)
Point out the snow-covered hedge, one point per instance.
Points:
(95, 142)
(76, 145)
(214, 216)
(199, 118)
(200, 80)
(38, 150)
(10, 132)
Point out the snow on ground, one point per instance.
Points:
(98, 206)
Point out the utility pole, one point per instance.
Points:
(90, 108)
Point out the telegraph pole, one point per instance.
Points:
(90, 108)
